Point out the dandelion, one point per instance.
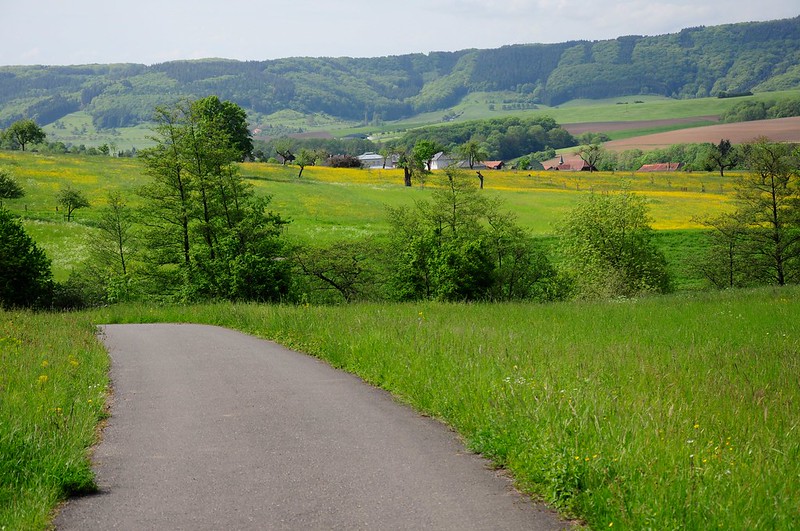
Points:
(45, 364)
(43, 379)
(696, 426)
(73, 362)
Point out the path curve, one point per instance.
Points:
(214, 429)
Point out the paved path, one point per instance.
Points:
(213, 429)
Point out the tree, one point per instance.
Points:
(305, 158)
(231, 119)
(423, 152)
(24, 132)
(9, 188)
(473, 152)
(71, 200)
(459, 246)
(724, 263)
(207, 235)
(411, 167)
(608, 250)
(25, 276)
(284, 147)
(722, 156)
(347, 268)
(116, 223)
(768, 205)
(591, 155)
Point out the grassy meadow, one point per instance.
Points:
(655, 413)
(328, 204)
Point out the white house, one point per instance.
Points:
(371, 160)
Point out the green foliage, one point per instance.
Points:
(768, 213)
(697, 62)
(206, 234)
(607, 247)
(762, 110)
(25, 277)
(24, 132)
(71, 200)
(460, 247)
(722, 156)
(9, 188)
(505, 138)
(54, 378)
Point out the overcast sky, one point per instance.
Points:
(153, 31)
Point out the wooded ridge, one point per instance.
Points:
(696, 62)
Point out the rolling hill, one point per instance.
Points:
(696, 62)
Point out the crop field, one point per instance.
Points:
(777, 130)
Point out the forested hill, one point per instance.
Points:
(696, 62)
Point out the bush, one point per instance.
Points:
(25, 276)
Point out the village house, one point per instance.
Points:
(567, 163)
(372, 160)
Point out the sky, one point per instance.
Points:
(59, 32)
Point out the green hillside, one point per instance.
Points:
(696, 62)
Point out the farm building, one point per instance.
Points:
(568, 163)
(662, 166)
(374, 160)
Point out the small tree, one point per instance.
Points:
(71, 200)
(608, 249)
(25, 277)
(591, 155)
(24, 132)
(305, 158)
(768, 204)
(722, 156)
(9, 188)
(473, 152)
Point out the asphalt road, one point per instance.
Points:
(214, 429)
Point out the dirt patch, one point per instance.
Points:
(778, 130)
(604, 127)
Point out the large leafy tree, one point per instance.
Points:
(25, 277)
(608, 248)
(24, 132)
(231, 119)
(206, 233)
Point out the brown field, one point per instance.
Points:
(604, 127)
(778, 130)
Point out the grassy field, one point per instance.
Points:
(328, 204)
(674, 412)
(53, 381)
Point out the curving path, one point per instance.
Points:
(214, 429)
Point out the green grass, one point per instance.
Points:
(329, 204)
(53, 379)
(659, 413)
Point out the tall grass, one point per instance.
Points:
(663, 413)
(53, 379)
